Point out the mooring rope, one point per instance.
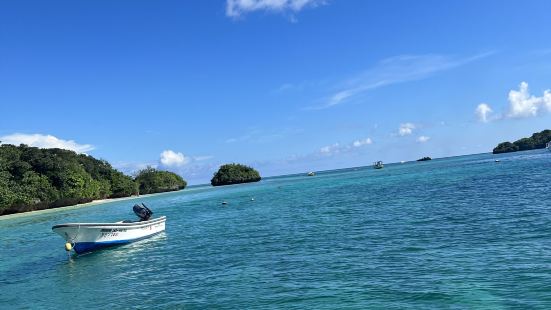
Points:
(72, 240)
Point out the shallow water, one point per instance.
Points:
(463, 232)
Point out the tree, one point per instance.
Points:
(7, 194)
(122, 185)
(234, 174)
(33, 178)
(538, 140)
(151, 181)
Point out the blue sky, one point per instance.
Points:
(286, 86)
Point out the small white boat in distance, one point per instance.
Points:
(378, 165)
(548, 146)
(86, 237)
(311, 173)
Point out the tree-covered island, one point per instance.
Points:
(32, 178)
(234, 174)
(426, 158)
(536, 141)
(152, 181)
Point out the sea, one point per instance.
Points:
(467, 232)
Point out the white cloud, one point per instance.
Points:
(337, 148)
(363, 142)
(522, 104)
(395, 70)
(329, 149)
(423, 139)
(482, 112)
(45, 141)
(236, 8)
(406, 129)
(170, 158)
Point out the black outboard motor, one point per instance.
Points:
(142, 212)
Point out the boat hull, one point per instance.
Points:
(86, 237)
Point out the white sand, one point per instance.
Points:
(77, 206)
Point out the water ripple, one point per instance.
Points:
(461, 232)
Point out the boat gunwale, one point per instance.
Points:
(103, 225)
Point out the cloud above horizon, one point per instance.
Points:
(169, 158)
(337, 148)
(394, 70)
(521, 105)
(237, 8)
(363, 142)
(406, 129)
(423, 139)
(482, 112)
(46, 142)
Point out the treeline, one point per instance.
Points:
(234, 174)
(33, 179)
(536, 141)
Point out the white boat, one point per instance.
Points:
(86, 237)
(311, 173)
(378, 165)
(548, 146)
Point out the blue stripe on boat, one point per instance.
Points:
(84, 247)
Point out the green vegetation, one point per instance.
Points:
(33, 179)
(152, 181)
(424, 158)
(536, 141)
(234, 174)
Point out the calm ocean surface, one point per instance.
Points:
(461, 233)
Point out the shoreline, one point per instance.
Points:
(80, 205)
(200, 186)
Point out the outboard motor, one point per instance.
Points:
(142, 212)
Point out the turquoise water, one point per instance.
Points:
(462, 233)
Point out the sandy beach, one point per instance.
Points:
(77, 206)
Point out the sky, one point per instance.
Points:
(286, 86)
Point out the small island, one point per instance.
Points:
(538, 140)
(234, 174)
(424, 158)
(150, 181)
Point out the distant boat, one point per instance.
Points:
(548, 146)
(86, 237)
(378, 165)
(311, 174)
